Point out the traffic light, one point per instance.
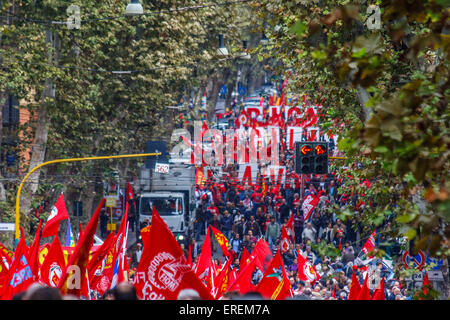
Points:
(304, 157)
(311, 157)
(321, 158)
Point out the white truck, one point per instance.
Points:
(173, 195)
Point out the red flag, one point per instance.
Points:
(79, 259)
(379, 293)
(364, 293)
(275, 284)
(309, 204)
(244, 259)
(263, 253)
(204, 262)
(120, 248)
(57, 214)
(145, 234)
(6, 254)
(285, 241)
(290, 227)
(426, 282)
(130, 194)
(163, 270)
(99, 265)
(222, 280)
(222, 240)
(243, 282)
(306, 270)
(34, 252)
(334, 293)
(369, 245)
(20, 275)
(355, 288)
(54, 264)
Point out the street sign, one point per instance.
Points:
(6, 226)
(418, 261)
(162, 168)
(111, 201)
(437, 263)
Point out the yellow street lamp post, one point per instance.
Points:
(17, 223)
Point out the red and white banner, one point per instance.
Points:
(309, 204)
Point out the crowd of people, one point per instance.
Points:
(246, 213)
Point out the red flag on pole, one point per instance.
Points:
(369, 245)
(244, 259)
(57, 214)
(355, 288)
(243, 282)
(163, 270)
(309, 204)
(54, 264)
(130, 194)
(222, 240)
(204, 262)
(79, 259)
(263, 253)
(275, 284)
(34, 252)
(306, 270)
(364, 293)
(285, 241)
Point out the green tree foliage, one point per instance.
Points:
(389, 85)
(113, 77)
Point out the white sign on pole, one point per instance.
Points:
(6, 226)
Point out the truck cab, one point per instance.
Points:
(170, 207)
(172, 194)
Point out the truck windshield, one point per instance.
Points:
(164, 206)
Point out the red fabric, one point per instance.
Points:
(244, 259)
(20, 276)
(243, 283)
(130, 194)
(54, 263)
(369, 245)
(34, 252)
(263, 253)
(355, 288)
(58, 213)
(222, 280)
(204, 261)
(80, 256)
(97, 264)
(275, 284)
(364, 293)
(309, 204)
(306, 270)
(285, 241)
(145, 234)
(163, 270)
(222, 240)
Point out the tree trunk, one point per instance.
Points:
(41, 134)
(363, 96)
(3, 97)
